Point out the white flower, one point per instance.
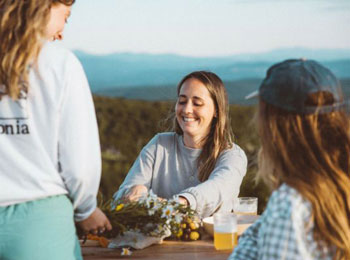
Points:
(171, 201)
(167, 211)
(151, 212)
(157, 205)
(148, 201)
(126, 251)
(152, 195)
(176, 199)
(143, 198)
(178, 218)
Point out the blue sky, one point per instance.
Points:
(207, 27)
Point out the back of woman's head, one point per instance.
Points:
(22, 33)
(310, 151)
(220, 136)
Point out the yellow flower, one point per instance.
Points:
(126, 251)
(194, 235)
(193, 226)
(119, 207)
(179, 233)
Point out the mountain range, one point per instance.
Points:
(154, 76)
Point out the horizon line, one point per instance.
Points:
(301, 48)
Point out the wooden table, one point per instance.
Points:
(169, 250)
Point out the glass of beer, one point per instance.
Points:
(225, 231)
(246, 206)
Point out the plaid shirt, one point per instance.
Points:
(284, 231)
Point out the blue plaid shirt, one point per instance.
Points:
(284, 231)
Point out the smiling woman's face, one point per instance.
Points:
(59, 14)
(195, 111)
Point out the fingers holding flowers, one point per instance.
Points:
(96, 223)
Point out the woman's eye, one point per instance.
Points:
(181, 101)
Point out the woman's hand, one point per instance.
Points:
(183, 201)
(96, 223)
(135, 193)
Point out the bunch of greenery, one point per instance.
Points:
(149, 215)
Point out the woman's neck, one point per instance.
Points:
(193, 142)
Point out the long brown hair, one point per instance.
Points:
(22, 34)
(311, 153)
(220, 136)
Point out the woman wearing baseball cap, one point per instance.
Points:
(305, 156)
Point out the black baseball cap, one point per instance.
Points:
(288, 84)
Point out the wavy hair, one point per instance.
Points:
(311, 153)
(220, 136)
(22, 34)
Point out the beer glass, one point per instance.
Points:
(246, 206)
(225, 231)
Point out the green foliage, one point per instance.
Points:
(127, 125)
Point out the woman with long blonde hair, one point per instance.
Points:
(49, 147)
(198, 161)
(305, 156)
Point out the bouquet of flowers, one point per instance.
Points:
(152, 217)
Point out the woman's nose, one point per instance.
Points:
(188, 107)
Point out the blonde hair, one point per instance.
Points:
(22, 34)
(311, 153)
(220, 136)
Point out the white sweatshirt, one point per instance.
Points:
(49, 143)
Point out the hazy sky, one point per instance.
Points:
(207, 27)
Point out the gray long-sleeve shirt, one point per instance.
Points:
(169, 168)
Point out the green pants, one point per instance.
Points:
(41, 229)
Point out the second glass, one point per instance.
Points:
(246, 206)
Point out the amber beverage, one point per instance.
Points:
(225, 231)
(246, 206)
(246, 213)
(225, 241)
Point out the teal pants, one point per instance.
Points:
(39, 230)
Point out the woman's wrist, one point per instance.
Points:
(183, 201)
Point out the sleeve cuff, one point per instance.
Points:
(80, 216)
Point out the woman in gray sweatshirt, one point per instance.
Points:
(198, 162)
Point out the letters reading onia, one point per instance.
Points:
(14, 129)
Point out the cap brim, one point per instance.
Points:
(340, 106)
(254, 94)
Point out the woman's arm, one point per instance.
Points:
(78, 141)
(222, 185)
(139, 177)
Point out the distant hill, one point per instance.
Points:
(237, 90)
(110, 73)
